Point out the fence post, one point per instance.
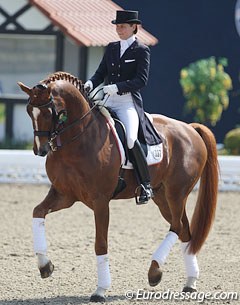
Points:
(9, 120)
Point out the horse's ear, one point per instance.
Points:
(24, 88)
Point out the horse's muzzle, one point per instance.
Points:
(42, 151)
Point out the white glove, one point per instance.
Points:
(110, 89)
(88, 86)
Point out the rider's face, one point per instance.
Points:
(125, 30)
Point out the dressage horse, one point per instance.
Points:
(83, 163)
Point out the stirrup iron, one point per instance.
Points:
(146, 193)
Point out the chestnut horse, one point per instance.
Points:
(83, 164)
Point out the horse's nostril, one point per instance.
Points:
(43, 153)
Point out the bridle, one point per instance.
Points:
(58, 120)
(49, 104)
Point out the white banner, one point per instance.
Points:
(22, 166)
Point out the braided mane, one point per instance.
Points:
(67, 77)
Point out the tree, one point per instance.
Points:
(205, 86)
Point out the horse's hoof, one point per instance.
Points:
(47, 270)
(154, 280)
(189, 289)
(97, 298)
(154, 274)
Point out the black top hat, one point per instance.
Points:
(127, 17)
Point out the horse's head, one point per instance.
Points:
(59, 111)
(44, 115)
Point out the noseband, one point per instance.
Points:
(41, 133)
(49, 104)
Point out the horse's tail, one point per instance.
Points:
(204, 212)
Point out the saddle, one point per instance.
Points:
(153, 153)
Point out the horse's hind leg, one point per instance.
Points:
(175, 215)
(160, 255)
(52, 202)
(190, 260)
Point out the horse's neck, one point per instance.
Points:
(94, 131)
(89, 124)
(79, 107)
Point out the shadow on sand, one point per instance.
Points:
(61, 300)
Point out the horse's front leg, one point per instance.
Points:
(52, 202)
(101, 213)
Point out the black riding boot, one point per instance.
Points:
(138, 159)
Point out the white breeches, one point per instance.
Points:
(124, 107)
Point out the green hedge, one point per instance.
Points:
(14, 144)
(232, 141)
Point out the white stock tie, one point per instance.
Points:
(124, 46)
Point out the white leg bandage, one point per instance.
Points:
(39, 239)
(190, 261)
(104, 278)
(162, 252)
(43, 260)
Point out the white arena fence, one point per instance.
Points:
(22, 166)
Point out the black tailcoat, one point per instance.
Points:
(130, 74)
